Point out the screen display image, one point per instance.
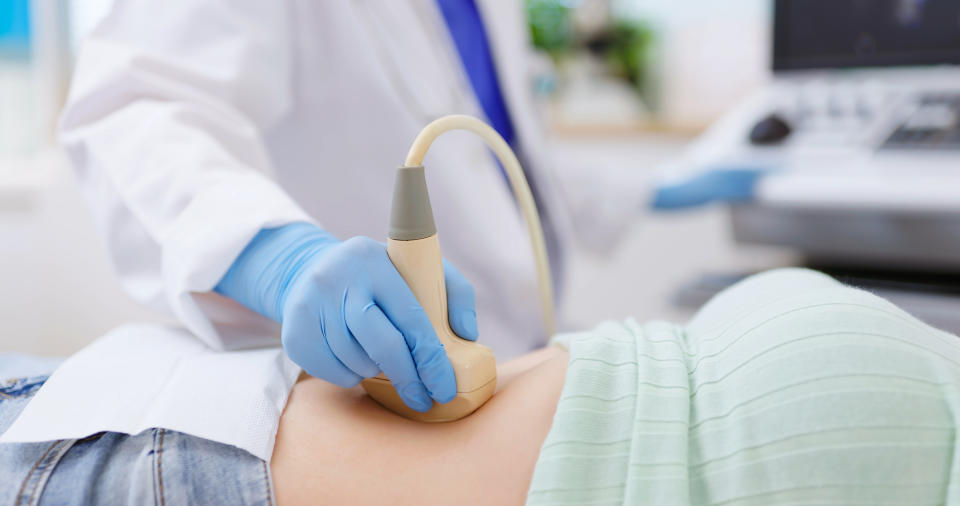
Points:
(812, 34)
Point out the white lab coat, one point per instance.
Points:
(195, 123)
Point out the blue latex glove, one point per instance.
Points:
(346, 312)
(719, 185)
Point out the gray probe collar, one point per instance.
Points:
(411, 217)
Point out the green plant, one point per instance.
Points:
(629, 53)
(550, 26)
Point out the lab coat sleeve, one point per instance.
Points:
(164, 127)
(604, 198)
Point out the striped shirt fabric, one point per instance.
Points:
(788, 388)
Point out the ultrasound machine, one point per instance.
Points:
(858, 137)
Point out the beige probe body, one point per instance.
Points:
(414, 249)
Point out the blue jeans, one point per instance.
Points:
(157, 466)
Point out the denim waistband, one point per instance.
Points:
(157, 466)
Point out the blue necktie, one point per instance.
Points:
(466, 28)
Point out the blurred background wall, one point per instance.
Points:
(687, 61)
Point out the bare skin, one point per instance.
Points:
(337, 446)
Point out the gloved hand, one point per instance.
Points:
(346, 312)
(716, 185)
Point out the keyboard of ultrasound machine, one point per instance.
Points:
(921, 120)
(933, 125)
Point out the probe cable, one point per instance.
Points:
(518, 183)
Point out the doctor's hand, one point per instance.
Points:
(347, 314)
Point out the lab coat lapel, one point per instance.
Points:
(505, 23)
(507, 32)
(413, 45)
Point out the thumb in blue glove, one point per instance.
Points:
(346, 312)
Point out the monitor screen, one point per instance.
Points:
(812, 34)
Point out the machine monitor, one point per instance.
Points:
(812, 34)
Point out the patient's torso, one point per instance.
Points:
(787, 388)
(337, 446)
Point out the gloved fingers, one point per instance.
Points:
(386, 346)
(402, 309)
(717, 185)
(304, 342)
(433, 366)
(341, 339)
(461, 303)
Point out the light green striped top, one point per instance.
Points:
(788, 388)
